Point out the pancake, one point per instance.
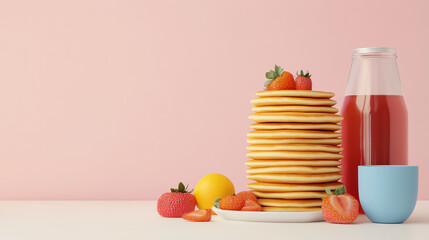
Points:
(291, 187)
(290, 195)
(296, 126)
(284, 163)
(295, 93)
(329, 141)
(295, 147)
(272, 202)
(293, 169)
(291, 209)
(281, 101)
(293, 155)
(317, 109)
(295, 178)
(293, 134)
(296, 117)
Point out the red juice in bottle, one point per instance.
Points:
(375, 125)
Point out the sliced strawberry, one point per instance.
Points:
(340, 207)
(203, 215)
(247, 195)
(250, 205)
(231, 203)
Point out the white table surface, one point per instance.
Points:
(129, 220)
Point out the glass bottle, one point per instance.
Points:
(375, 125)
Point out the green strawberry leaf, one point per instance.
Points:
(267, 83)
(278, 71)
(273, 74)
(181, 187)
(270, 75)
(340, 190)
(216, 202)
(328, 191)
(307, 74)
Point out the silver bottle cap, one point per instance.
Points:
(369, 50)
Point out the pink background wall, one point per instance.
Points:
(123, 99)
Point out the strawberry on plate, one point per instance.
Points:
(340, 207)
(177, 202)
(229, 203)
(278, 79)
(203, 215)
(247, 195)
(303, 81)
(250, 205)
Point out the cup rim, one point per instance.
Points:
(388, 166)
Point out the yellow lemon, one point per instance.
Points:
(211, 187)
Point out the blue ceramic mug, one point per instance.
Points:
(388, 193)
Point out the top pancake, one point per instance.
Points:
(280, 101)
(295, 93)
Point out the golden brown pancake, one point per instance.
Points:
(292, 187)
(290, 195)
(293, 155)
(295, 93)
(291, 209)
(296, 117)
(295, 147)
(272, 202)
(295, 178)
(285, 163)
(293, 134)
(293, 169)
(315, 109)
(328, 141)
(296, 126)
(280, 101)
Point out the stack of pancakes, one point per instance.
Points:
(294, 149)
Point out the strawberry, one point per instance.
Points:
(250, 205)
(303, 81)
(177, 202)
(203, 215)
(278, 79)
(247, 195)
(230, 203)
(340, 207)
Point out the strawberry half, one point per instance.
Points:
(247, 195)
(303, 81)
(203, 215)
(340, 207)
(250, 205)
(229, 203)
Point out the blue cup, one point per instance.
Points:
(388, 193)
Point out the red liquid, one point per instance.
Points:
(375, 132)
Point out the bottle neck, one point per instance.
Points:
(374, 74)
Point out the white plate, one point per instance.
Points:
(290, 217)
